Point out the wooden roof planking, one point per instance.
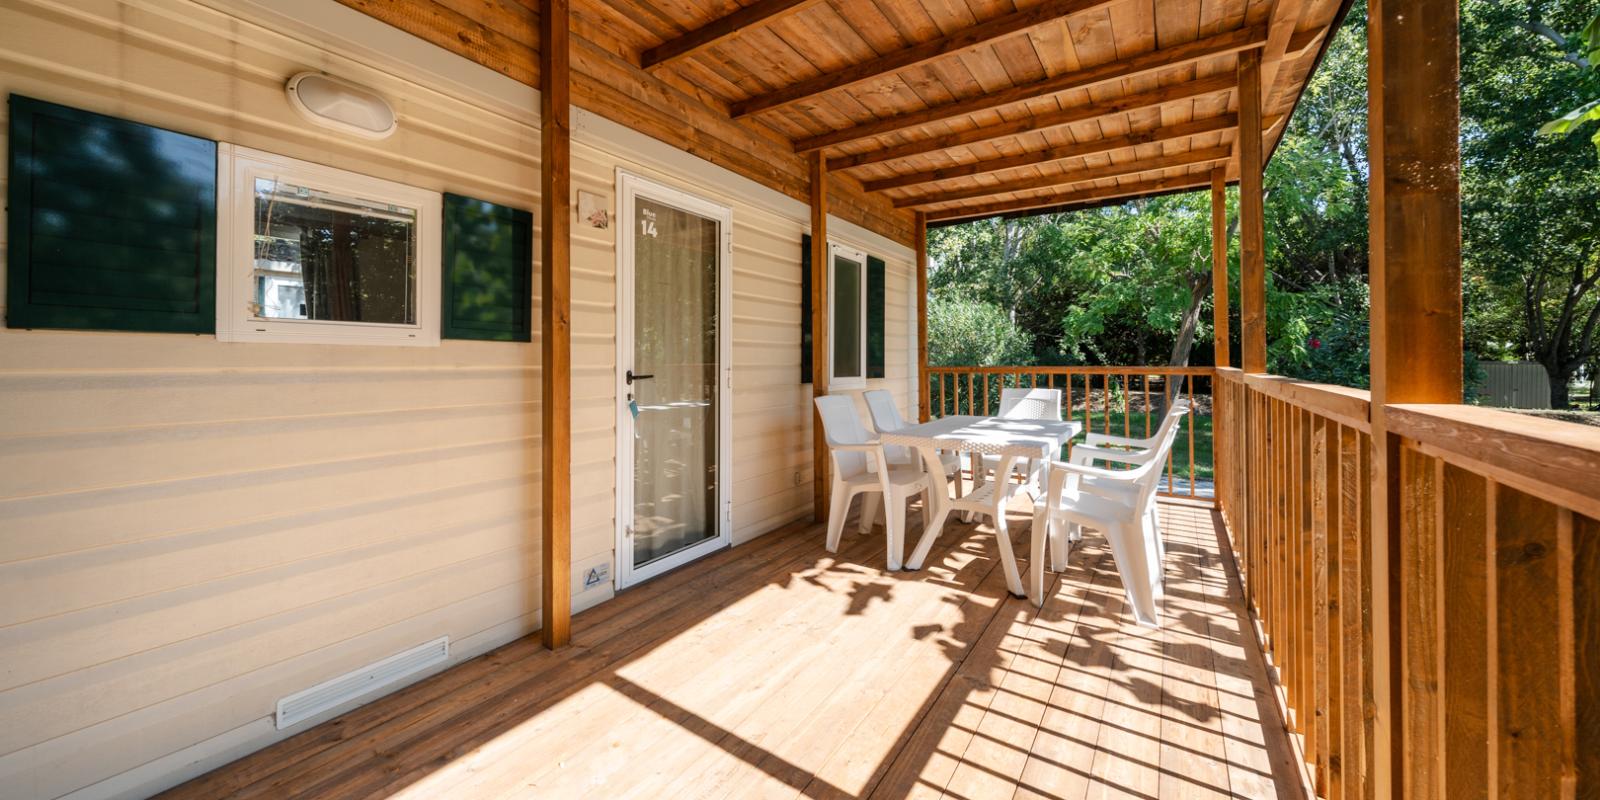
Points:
(958, 108)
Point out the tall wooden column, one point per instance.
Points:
(1252, 228)
(555, 331)
(920, 241)
(1415, 272)
(1219, 264)
(819, 331)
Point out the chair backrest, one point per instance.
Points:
(885, 418)
(1030, 404)
(1148, 474)
(841, 424)
(1175, 414)
(885, 414)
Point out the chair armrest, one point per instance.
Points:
(1102, 439)
(864, 447)
(1068, 468)
(1091, 452)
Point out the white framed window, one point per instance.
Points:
(847, 318)
(313, 254)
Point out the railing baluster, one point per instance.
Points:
(1188, 419)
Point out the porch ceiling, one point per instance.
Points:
(969, 108)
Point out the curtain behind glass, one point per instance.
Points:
(675, 339)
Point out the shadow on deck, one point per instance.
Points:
(777, 669)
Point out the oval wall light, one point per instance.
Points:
(341, 105)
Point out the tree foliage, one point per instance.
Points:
(1131, 284)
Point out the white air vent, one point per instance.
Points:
(303, 705)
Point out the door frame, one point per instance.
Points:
(858, 257)
(631, 186)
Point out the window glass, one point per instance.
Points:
(846, 318)
(330, 257)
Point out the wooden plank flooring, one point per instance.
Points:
(779, 670)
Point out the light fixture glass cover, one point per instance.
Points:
(341, 105)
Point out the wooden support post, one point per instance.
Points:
(920, 241)
(555, 331)
(1252, 229)
(1219, 264)
(1415, 272)
(820, 362)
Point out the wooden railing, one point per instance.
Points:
(1296, 494)
(1124, 401)
(1493, 576)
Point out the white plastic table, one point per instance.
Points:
(1011, 440)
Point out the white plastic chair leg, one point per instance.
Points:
(1134, 567)
(1040, 536)
(838, 508)
(1060, 546)
(1152, 536)
(869, 511)
(894, 528)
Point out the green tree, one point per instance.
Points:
(966, 332)
(1529, 202)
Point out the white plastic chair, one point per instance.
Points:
(885, 418)
(860, 467)
(1126, 450)
(1019, 403)
(1128, 522)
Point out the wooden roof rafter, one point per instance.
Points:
(1207, 156)
(758, 13)
(1091, 147)
(1145, 63)
(947, 46)
(1154, 98)
(1121, 190)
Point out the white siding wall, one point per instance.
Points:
(190, 529)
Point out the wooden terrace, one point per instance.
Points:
(835, 679)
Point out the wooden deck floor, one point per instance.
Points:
(778, 670)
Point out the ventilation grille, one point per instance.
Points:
(305, 704)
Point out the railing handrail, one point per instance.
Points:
(1077, 370)
(1549, 459)
(1352, 407)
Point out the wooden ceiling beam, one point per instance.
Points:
(1209, 155)
(1144, 63)
(1041, 122)
(758, 13)
(1129, 190)
(1091, 147)
(951, 45)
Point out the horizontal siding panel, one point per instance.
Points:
(93, 578)
(52, 708)
(130, 740)
(51, 647)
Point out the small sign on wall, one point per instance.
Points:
(594, 210)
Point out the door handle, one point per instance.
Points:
(632, 377)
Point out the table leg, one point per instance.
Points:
(939, 496)
(1002, 536)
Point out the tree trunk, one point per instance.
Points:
(1560, 398)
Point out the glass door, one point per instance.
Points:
(673, 365)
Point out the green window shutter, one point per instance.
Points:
(112, 224)
(487, 285)
(875, 302)
(805, 308)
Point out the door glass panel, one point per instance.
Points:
(675, 341)
(846, 318)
